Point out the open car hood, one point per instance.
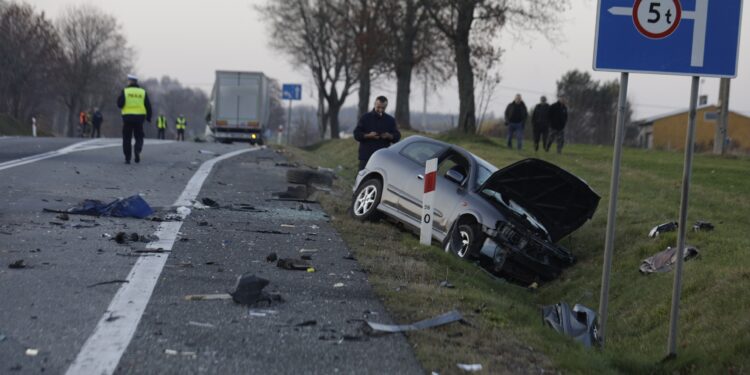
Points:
(561, 201)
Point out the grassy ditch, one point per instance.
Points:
(506, 334)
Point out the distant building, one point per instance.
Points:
(667, 131)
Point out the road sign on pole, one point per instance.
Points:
(291, 91)
(681, 37)
(428, 199)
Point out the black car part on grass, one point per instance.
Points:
(580, 322)
(662, 228)
(701, 225)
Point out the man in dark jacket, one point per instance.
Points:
(558, 117)
(540, 123)
(96, 121)
(515, 116)
(375, 130)
(136, 108)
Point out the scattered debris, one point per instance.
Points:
(63, 217)
(260, 313)
(662, 228)
(112, 317)
(183, 211)
(449, 317)
(175, 352)
(17, 265)
(309, 177)
(31, 352)
(338, 285)
(349, 256)
(446, 284)
(285, 164)
(108, 282)
(288, 226)
(307, 323)
(199, 324)
(303, 207)
(249, 290)
(207, 297)
(701, 225)
(207, 152)
(470, 367)
(580, 323)
(210, 202)
(123, 238)
(269, 232)
(200, 206)
(663, 261)
(244, 207)
(308, 251)
(152, 251)
(133, 206)
(203, 223)
(272, 257)
(311, 270)
(294, 264)
(306, 257)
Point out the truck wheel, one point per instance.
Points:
(366, 200)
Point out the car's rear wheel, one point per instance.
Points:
(366, 200)
(470, 241)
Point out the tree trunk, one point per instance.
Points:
(364, 91)
(464, 72)
(333, 113)
(465, 76)
(405, 66)
(322, 115)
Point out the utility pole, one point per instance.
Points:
(720, 140)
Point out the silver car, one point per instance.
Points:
(509, 219)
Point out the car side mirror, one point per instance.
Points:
(455, 176)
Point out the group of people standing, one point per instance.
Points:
(548, 122)
(94, 119)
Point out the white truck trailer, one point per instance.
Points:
(239, 107)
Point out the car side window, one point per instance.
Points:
(420, 152)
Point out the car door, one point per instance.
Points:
(410, 185)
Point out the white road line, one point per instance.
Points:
(93, 144)
(102, 351)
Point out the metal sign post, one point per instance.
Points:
(428, 199)
(681, 37)
(686, 174)
(290, 91)
(609, 242)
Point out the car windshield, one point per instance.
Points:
(515, 207)
(484, 170)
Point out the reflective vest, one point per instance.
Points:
(181, 122)
(161, 122)
(135, 101)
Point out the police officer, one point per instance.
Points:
(135, 109)
(180, 125)
(161, 125)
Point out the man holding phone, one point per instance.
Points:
(375, 130)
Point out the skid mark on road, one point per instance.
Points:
(102, 351)
(93, 144)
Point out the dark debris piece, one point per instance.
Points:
(272, 257)
(249, 291)
(662, 228)
(307, 323)
(63, 217)
(17, 265)
(293, 264)
(210, 202)
(701, 225)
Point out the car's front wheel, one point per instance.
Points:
(366, 200)
(469, 244)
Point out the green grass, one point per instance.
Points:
(507, 336)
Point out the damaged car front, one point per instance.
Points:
(538, 204)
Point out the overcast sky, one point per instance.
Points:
(190, 39)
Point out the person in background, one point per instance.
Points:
(515, 116)
(540, 122)
(96, 121)
(558, 118)
(180, 125)
(375, 130)
(161, 125)
(83, 120)
(136, 108)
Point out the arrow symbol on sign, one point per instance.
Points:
(700, 18)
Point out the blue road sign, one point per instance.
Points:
(291, 91)
(681, 37)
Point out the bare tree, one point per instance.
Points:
(412, 42)
(310, 32)
(95, 58)
(471, 27)
(29, 51)
(170, 97)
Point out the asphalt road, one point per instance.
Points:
(52, 306)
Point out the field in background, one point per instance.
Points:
(506, 333)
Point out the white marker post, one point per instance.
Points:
(430, 178)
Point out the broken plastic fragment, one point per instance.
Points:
(470, 367)
(449, 317)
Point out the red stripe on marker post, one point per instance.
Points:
(429, 182)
